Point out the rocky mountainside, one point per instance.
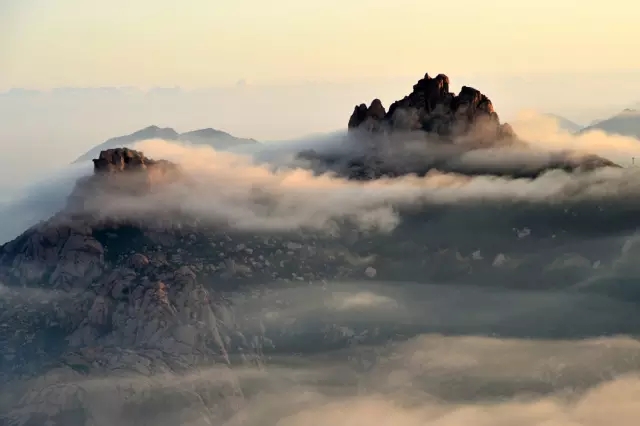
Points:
(217, 139)
(86, 297)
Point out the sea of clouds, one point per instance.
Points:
(391, 353)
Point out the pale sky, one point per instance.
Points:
(306, 62)
(204, 43)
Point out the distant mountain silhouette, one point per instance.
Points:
(216, 139)
(626, 123)
(565, 123)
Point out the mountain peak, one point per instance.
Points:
(207, 132)
(430, 107)
(444, 126)
(156, 131)
(217, 139)
(625, 123)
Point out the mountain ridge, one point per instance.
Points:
(625, 123)
(564, 123)
(214, 138)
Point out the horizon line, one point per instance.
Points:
(243, 83)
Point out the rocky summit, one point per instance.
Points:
(119, 171)
(432, 108)
(433, 129)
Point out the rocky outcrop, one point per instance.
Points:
(432, 108)
(120, 171)
(121, 159)
(129, 160)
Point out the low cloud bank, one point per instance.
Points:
(425, 378)
(235, 191)
(270, 189)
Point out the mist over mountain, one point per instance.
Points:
(435, 129)
(49, 128)
(216, 139)
(626, 123)
(428, 265)
(565, 123)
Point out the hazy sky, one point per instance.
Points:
(195, 43)
(306, 64)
